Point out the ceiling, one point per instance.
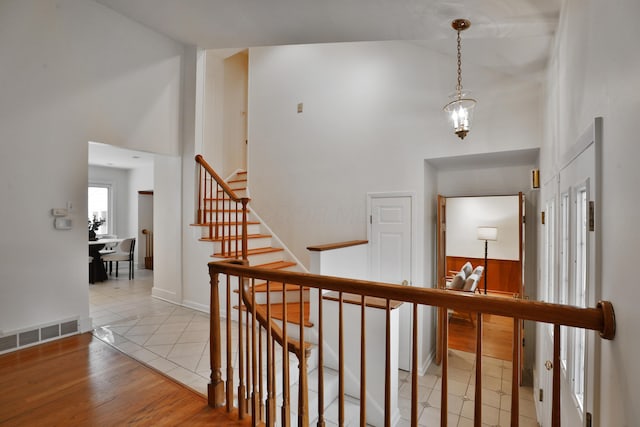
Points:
(121, 158)
(508, 37)
(513, 36)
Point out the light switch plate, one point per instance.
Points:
(62, 223)
(59, 212)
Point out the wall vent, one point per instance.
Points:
(28, 337)
(9, 342)
(69, 327)
(19, 339)
(50, 332)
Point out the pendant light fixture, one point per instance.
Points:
(460, 110)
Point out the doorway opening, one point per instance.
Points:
(463, 238)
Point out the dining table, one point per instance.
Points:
(97, 272)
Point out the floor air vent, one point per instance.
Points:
(50, 332)
(8, 343)
(28, 337)
(33, 336)
(69, 327)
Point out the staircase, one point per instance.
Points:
(220, 218)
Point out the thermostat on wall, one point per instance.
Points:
(59, 212)
(62, 223)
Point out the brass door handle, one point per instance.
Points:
(549, 365)
(405, 283)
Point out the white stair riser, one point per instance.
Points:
(262, 242)
(293, 331)
(266, 258)
(222, 216)
(221, 204)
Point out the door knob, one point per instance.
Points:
(549, 365)
(405, 283)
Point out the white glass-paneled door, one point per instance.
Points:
(572, 276)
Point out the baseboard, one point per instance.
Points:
(196, 306)
(164, 295)
(425, 366)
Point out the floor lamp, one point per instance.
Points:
(486, 234)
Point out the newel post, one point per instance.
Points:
(216, 386)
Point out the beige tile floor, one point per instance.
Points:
(175, 341)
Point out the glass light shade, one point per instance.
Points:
(460, 112)
(487, 233)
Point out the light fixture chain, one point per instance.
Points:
(459, 86)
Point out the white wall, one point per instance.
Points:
(73, 71)
(236, 75)
(492, 181)
(372, 113)
(212, 146)
(596, 72)
(167, 219)
(466, 214)
(370, 119)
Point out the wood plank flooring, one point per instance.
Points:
(497, 335)
(82, 381)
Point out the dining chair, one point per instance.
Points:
(124, 254)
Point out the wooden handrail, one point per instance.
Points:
(340, 245)
(221, 228)
(600, 318)
(220, 181)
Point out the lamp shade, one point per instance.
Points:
(487, 233)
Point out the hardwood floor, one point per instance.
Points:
(82, 381)
(497, 335)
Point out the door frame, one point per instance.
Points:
(441, 231)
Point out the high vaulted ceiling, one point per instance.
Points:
(512, 35)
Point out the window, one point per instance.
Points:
(99, 206)
(563, 291)
(580, 294)
(551, 251)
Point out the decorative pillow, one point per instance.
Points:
(470, 283)
(478, 270)
(457, 282)
(467, 268)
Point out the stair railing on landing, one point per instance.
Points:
(219, 208)
(252, 398)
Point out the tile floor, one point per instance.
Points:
(174, 340)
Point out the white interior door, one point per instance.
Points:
(548, 280)
(390, 239)
(573, 261)
(578, 285)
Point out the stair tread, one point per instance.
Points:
(277, 265)
(213, 199)
(256, 251)
(236, 237)
(223, 210)
(234, 189)
(206, 224)
(293, 312)
(277, 287)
